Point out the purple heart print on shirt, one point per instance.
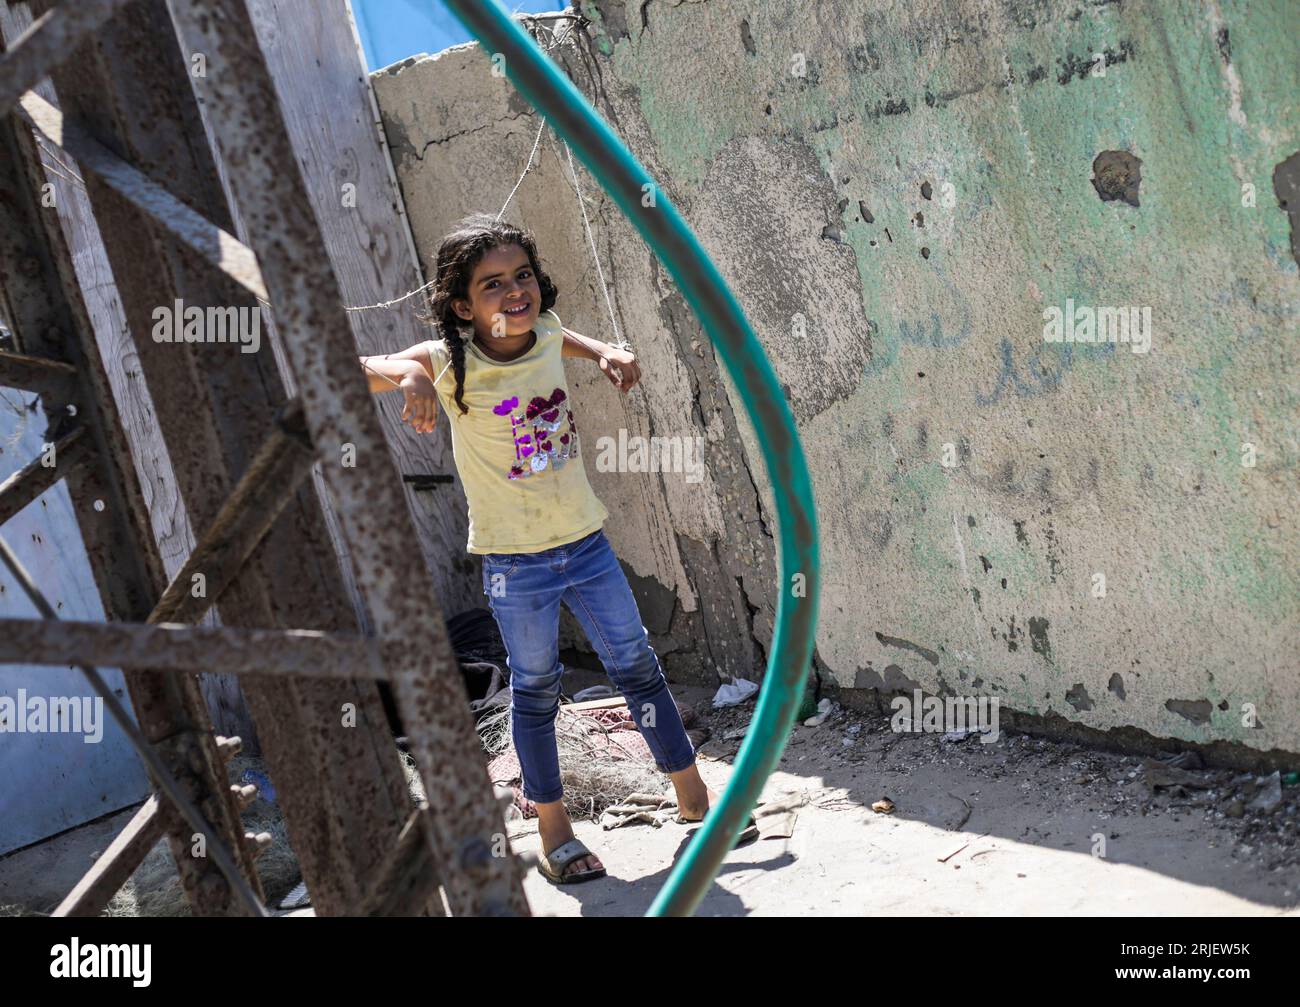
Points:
(534, 451)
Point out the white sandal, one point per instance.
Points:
(551, 865)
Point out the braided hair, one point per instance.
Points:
(458, 254)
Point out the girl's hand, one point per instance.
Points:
(421, 408)
(621, 368)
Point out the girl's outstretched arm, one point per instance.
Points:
(620, 366)
(407, 370)
(385, 372)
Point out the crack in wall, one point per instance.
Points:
(739, 543)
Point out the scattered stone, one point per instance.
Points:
(1268, 793)
(1159, 774)
(823, 711)
(1184, 760)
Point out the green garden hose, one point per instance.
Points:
(646, 204)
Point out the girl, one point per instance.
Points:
(532, 514)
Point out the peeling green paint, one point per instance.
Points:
(1117, 463)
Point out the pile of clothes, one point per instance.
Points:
(481, 654)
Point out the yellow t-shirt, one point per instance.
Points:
(516, 450)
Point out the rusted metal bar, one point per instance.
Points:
(47, 41)
(225, 862)
(217, 246)
(325, 742)
(272, 480)
(51, 377)
(407, 882)
(307, 653)
(41, 300)
(116, 864)
(36, 477)
(240, 99)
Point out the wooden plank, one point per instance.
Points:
(116, 864)
(315, 59)
(609, 703)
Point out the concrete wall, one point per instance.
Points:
(897, 192)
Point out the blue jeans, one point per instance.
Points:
(524, 593)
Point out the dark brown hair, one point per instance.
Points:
(458, 254)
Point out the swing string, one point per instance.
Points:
(555, 41)
(619, 342)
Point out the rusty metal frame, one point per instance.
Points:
(299, 653)
(247, 553)
(180, 803)
(41, 299)
(343, 793)
(36, 477)
(241, 101)
(407, 874)
(281, 465)
(35, 374)
(216, 245)
(46, 42)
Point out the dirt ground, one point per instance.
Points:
(978, 829)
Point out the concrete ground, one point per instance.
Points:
(35, 879)
(1001, 829)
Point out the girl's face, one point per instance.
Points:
(504, 295)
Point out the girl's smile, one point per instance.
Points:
(503, 299)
